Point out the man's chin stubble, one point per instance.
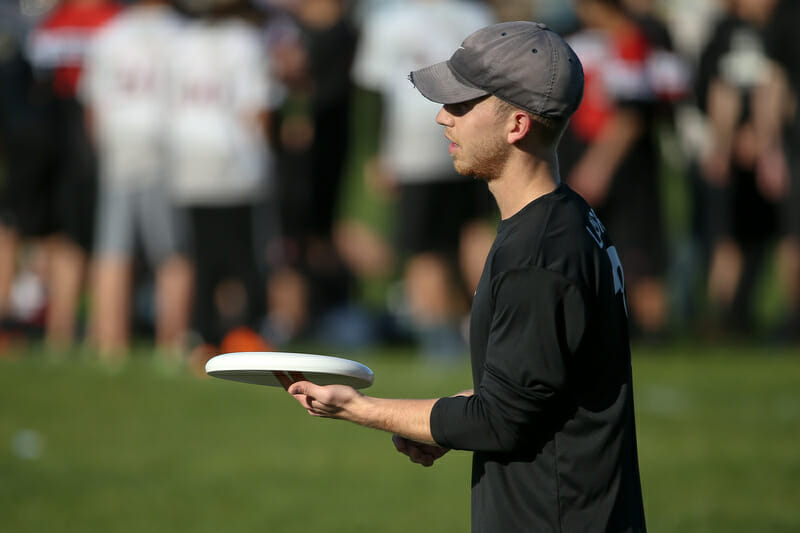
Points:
(485, 173)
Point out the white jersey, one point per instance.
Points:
(125, 83)
(221, 84)
(395, 41)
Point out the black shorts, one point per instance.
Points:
(430, 216)
(55, 184)
(27, 191)
(223, 247)
(76, 176)
(739, 210)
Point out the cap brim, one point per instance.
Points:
(438, 84)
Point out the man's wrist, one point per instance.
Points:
(358, 410)
(409, 418)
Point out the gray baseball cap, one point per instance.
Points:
(524, 63)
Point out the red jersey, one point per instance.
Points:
(615, 70)
(623, 69)
(60, 41)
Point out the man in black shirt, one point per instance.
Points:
(550, 419)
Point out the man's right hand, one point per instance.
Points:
(423, 454)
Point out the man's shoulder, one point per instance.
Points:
(549, 232)
(560, 234)
(560, 220)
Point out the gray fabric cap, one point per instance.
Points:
(524, 63)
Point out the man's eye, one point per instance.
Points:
(462, 108)
(459, 108)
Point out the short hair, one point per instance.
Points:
(547, 131)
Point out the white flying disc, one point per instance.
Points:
(270, 368)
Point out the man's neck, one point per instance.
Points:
(522, 181)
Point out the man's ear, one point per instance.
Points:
(520, 125)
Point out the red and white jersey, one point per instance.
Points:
(625, 68)
(125, 83)
(396, 40)
(221, 82)
(60, 42)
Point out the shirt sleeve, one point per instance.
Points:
(538, 322)
(249, 69)
(91, 83)
(373, 64)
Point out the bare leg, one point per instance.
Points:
(436, 305)
(429, 290)
(174, 285)
(287, 304)
(649, 305)
(363, 249)
(111, 286)
(9, 242)
(66, 265)
(724, 274)
(476, 241)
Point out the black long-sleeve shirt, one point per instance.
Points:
(551, 421)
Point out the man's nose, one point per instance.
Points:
(444, 118)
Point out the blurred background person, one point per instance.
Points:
(125, 89)
(777, 116)
(58, 47)
(689, 24)
(292, 134)
(15, 93)
(312, 293)
(610, 152)
(222, 94)
(329, 38)
(23, 170)
(741, 213)
(437, 212)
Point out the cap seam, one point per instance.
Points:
(553, 67)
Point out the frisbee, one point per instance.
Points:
(274, 369)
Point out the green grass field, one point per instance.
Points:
(85, 449)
